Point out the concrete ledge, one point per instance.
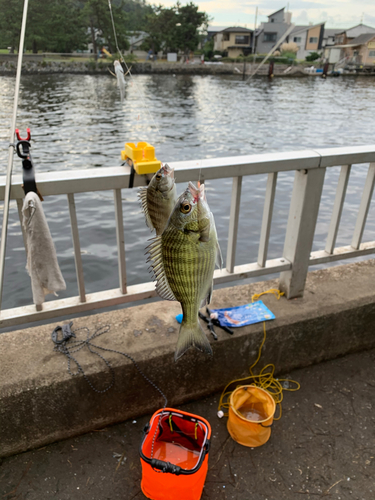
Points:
(41, 403)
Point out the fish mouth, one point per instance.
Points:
(197, 192)
(167, 170)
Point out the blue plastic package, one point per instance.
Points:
(247, 314)
(179, 318)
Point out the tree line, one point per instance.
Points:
(67, 25)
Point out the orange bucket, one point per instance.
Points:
(251, 413)
(174, 455)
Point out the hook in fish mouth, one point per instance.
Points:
(197, 192)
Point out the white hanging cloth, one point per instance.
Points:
(42, 264)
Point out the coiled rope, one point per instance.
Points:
(265, 379)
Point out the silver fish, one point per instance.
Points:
(159, 198)
(183, 261)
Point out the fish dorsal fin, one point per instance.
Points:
(142, 195)
(156, 257)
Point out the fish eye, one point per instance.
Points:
(158, 176)
(185, 208)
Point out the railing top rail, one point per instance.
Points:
(105, 178)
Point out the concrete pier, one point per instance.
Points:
(40, 402)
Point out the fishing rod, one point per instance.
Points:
(290, 29)
(8, 182)
(143, 98)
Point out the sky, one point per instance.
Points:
(336, 13)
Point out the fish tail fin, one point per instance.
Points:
(191, 335)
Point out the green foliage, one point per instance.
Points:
(208, 49)
(53, 26)
(313, 56)
(288, 55)
(175, 28)
(67, 25)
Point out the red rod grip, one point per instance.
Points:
(20, 138)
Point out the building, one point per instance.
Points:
(308, 39)
(135, 39)
(329, 36)
(235, 41)
(346, 36)
(358, 49)
(269, 33)
(212, 30)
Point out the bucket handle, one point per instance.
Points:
(265, 426)
(167, 466)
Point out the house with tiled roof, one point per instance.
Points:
(360, 50)
(234, 41)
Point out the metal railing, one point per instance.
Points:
(309, 166)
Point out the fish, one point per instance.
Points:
(183, 260)
(159, 198)
(120, 79)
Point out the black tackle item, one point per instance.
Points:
(66, 333)
(213, 322)
(28, 173)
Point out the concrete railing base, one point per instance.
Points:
(40, 402)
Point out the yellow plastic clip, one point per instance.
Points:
(143, 157)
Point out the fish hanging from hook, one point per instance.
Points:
(120, 79)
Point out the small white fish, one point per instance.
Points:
(120, 78)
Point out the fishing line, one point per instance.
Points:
(66, 346)
(143, 97)
(8, 182)
(265, 379)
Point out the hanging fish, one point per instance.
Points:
(159, 198)
(183, 261)
(120, 78)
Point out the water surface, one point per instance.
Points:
(77, 121)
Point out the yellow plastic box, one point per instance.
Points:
(143, 157)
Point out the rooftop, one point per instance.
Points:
(357, 30)
(298, 29)
(362, 39)
(236, 29)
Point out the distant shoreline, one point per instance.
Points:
(162, 68)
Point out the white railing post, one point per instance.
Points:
(337, 208)
(77, 248)
(120, 240)
(233, 223)
(364, 207)
(303, 213)
(267, 219)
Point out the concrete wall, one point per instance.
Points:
(40, 402)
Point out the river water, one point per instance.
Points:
(77, 121)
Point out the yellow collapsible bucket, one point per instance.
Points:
(251, 413)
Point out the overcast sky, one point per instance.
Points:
(336, 13)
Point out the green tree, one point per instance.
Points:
(56, 25)
(161, 30)
(190, 19)
(97, 16)
(174, 28)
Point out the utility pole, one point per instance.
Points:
(255, 27)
